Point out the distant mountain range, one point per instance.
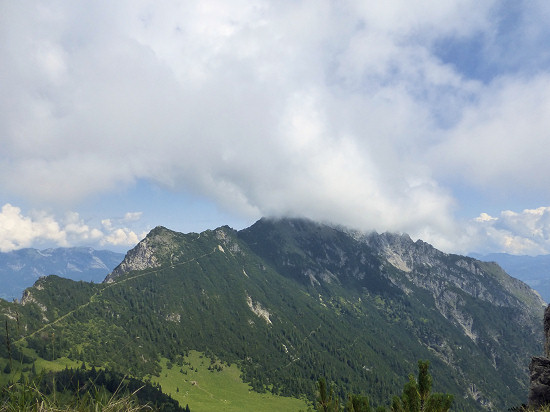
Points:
(290, 301)
(533, 270)
(21, 268)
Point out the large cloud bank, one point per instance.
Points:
(361, 113)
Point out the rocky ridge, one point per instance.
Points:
(147, 254)
(440, 273)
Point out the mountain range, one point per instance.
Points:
(533, 270)
(290, 301)
(19, 269)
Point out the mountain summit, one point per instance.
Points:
(291, 300)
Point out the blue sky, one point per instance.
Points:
(425, 117)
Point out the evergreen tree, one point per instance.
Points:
(326, 402)
(358, 403)
(417, 396)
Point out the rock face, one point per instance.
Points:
(539, 392)
(539, 370)
(533, 270)
(147, 253)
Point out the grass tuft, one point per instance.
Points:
(26, 395)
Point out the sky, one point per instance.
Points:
(415, 116)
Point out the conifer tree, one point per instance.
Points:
(417, 396)
(358, 403)
(326, 402)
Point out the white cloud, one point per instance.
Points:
(501, 142)
(520, 233)
(116, 232)
(77, 231)
(335, 110)
(40, 228)
(19, 231)
(132, 216)
(122, 236)
(485, 217)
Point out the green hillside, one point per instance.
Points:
(209, 385)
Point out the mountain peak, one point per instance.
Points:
(147, 253)
(163, 246)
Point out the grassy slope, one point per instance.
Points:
(40, 365)
(218, 390)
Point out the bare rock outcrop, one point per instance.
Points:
(539, 391)
(146, 254)
(539, 370)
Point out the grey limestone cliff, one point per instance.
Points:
(160, 245)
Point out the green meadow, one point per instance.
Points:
(219, 388)
(19, 368)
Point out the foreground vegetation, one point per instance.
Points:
(208, 384)
(84, 390)
(417, 396)
(203, 382)
(27, 397)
